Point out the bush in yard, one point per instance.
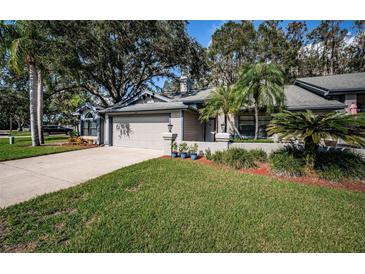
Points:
(217, 157)
(258, 155)
(235, 157)
(340, 165)
(208, 154)
(287, 161)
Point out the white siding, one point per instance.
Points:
(176, 121)
(143, 131)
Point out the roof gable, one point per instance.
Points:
(334, 84)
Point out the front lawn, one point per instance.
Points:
(166, 205)
(23, 149)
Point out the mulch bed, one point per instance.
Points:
(80, 145)
(264, 170)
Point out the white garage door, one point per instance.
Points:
(142, 131)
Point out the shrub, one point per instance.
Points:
(208, 154)
(238, 140)
(339, 165)
(258, 155)
(287, 161)
(234, 157)
(217, 157)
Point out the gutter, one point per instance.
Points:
(316, 89)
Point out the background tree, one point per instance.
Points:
(356, 50)
(116, 60)
(233, 45)
(263, 86)
(329, 37)
(272, 42)
(296, 36)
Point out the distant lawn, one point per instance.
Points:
(165, 205)
(23, 149)
(20, 133)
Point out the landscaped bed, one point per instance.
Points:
(23, 149)
(265, 170)
(174, 205)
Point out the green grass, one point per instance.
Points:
(19, 133)
(166, 205)
(23, 149)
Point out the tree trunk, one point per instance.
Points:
(33, 104)
(234, 127)
(225, 122)
(256, 121)
(11, 125)
(40, 106)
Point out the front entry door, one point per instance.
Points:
(210, 130)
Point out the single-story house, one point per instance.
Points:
(91, 124)
(142, 121)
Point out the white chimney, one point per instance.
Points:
(185, 84)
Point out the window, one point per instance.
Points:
(89, 128)
(246, 126)
(89, 115)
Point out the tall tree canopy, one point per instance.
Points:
(326, 49)
(116, 60)
(233, 45)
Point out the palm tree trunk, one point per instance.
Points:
(256, 121)
(40, 106)
(33, 104)
(234, 127)
(225, 122)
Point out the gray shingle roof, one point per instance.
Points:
(298, 98)
(336, 83)
(148, 107)
(199, 97)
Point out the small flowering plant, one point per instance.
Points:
(174, 147)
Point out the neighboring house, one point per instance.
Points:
(142, 121)
(90, 124)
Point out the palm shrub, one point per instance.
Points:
(312, 128)
(263, 86)
(225, 101)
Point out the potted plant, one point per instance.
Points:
(174, 150)
(193, 151)
(183, 150)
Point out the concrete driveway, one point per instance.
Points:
(23, 179)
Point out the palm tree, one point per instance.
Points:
(24, 48)
(223, 100)
(40, 106)
(312, 128)
(263, 85)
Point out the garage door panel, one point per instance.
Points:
(140, 131)
(142, 119)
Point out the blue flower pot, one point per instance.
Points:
(173, 154)
(194, 156)
(183, 155)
